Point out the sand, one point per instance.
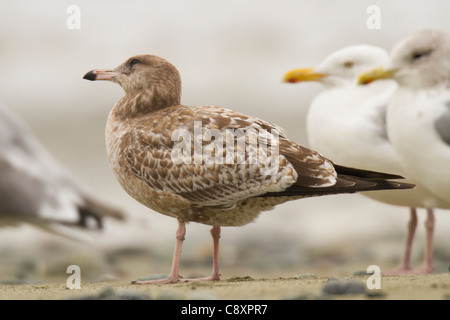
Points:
(305, 286)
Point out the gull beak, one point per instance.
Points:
(101, 74)
(298, 75)
(376, 74)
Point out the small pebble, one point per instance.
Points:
(306, 275)
(106, 293)
(362, 273)
(343, 287)
(155, 276)
(109, 293)
(238, 279)
(300, 296)
(132, 295)
(375, 294)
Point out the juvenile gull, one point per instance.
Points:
(418, 117)
(347, 123)
(36, 189)
(140, 145)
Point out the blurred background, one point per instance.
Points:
(229, 53)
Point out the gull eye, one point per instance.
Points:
(349, 64)
(134, 62)
(420, 54)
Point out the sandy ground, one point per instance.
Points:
(270, 267)
(300, 286)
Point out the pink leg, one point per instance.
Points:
(405, 266)
(428, 259)
(174, 271)
(215, 233)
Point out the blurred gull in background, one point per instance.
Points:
(36, 189)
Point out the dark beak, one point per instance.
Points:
(100, 74)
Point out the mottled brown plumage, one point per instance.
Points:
(141, 145)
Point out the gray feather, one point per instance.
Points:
(442, 125)
(380, 120)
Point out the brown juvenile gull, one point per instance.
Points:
(146, 127)
(36, 189)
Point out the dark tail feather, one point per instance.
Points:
(365, 173)
(368, 185)
(97, 210)
(349, 180)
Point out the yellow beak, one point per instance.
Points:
(376, 74)
(298, 75)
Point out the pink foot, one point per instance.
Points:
(399, 270)
(170, 280)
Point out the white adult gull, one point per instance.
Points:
(418, 117)
(347, 123)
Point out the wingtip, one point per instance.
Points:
(366, 173)
(403, 185)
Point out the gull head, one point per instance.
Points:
(341, 68)
(140, 74)
(421, 60)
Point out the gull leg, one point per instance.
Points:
(428, 258)
(174, 271)
(412, 225)
(405, 266)
(215, 233)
